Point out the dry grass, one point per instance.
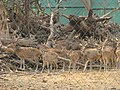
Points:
(95, 80)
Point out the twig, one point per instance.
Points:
(116, 9)
(49, 4)
(65, 59)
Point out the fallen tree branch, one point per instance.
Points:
(68, 60)
(107, 14)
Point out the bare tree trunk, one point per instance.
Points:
(4, 32)
(53, 20)
(52, 32)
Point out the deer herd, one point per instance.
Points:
(105, 54)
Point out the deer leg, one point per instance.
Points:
(104, 65)
(114, 62)
(63, 68)
(36, 68)
(74, 66)
(111, 64)
(100, 65)
(48, 67)
(118, 60)
(86, 65)
(117, 63)
(90, 65)
(43, 66)
(51, 66)
(78, 67)
(70, 66)
(56, 66)
(23, 64)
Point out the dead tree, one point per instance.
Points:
(86, 26)
(53, 21)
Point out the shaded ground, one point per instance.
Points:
(109, 80)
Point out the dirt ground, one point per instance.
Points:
(95, 80)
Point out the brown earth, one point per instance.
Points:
(95, 80)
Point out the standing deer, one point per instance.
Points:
(25, 53)
(117, 52)
(50, 58)
(108, 54)
(74, 57)
(90, 55)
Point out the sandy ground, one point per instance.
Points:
(95, 80)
